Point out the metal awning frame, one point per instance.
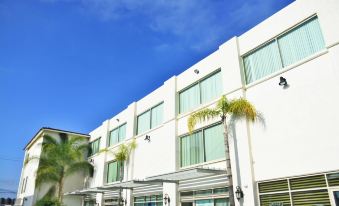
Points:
(197, 172)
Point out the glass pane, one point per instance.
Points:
(275, 199)
(144, 122)
(301, 42)
(336, 198)
(157, 115)
(214, 143)
(204, 203)
(114, 137)
(192, 149)
(189, 99)
(187, 204)
(159, 198)
(203, 192)
(139, 199)
(221, 202)
(220, 190)
(211, 88)
(185, 194)
(262, 62)
(122, 132)
(112, 172)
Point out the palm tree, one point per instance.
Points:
(121, 156)
(61, 158)
(233, 109)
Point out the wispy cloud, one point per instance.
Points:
(198, 24)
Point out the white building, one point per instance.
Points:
(292, 160)
(28, 193)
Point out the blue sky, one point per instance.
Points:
(71, 64)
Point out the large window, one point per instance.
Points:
(200, 93)
(113, 171)
(117, 135)
(94, 147)
(205, 197)
(153, 200)
(291, 47)
(202, 146)
(150, 119)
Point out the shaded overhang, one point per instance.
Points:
(86, 192)
(131, 184)
(186, 174)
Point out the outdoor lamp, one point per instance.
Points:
(238, 193)
(196, 71)
(283, 81)
(148, 138)
(167, 199)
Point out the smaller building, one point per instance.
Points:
(28, 193)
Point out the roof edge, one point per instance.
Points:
(54, 130)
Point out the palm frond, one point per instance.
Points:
(132, 145)
(223, 104)
(201, 116)
(241, 108)
(46, 176)
(84, 166)
(122, 153)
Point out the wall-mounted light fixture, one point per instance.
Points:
(283, 82)
(239, 193)
(167, 199)
(196, 71)
(148, 138)
(91, 160)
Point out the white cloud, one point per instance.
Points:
(198, 24)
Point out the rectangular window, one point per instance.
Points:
(117, 135)
(291, 47)
(200, 93)
(150, 119)
(154, 200)
(202, 146)
(113, 172)
(94, 147)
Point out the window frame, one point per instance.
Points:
(275, 40)
(203, 136)
(150, 119)
(118, 171)
(117, 128)
(91, 143)
(198, 82)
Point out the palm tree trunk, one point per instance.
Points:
(121, 176)
(228, 165)
(60, 189)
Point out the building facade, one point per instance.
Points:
(28, 193)
(288, 67)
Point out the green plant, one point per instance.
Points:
(233, 109)
(122, 155)
(48, 202)
(60, 158)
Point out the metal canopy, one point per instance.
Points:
(131, 184)
(86, 191)
(186, 174)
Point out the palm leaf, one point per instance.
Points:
(241, 108)
(201, 116)
(84, 166)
